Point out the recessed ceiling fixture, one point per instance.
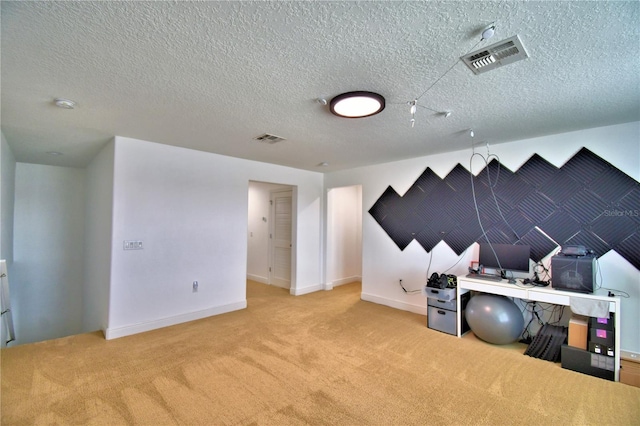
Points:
(64, 103)
(357, 104)
(54, 153)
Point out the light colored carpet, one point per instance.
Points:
(325, 358)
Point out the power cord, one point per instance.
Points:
(527, 336)
(612, 293)
(408, 291)
(538, 282)
(538, 311)
(544, 271)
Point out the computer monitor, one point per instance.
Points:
(505, 257)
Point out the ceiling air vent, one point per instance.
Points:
(267, 138)
(496, 55)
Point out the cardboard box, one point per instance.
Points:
(630, 373)
(578, 330)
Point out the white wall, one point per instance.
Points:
(98, 239)
(258, 230)
(190, 209)
(48, 252)
(384, 263)
(7, 194)
(344, 235)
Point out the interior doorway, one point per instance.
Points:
(271, 219)
(280, 233)
(344, 235)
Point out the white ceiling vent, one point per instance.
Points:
(267, 138)
(502, 53)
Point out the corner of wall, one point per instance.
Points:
(7, 197)
(306, 290)
(98, 238)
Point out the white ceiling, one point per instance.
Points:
(212, 76)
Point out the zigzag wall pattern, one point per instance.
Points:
(586, 202)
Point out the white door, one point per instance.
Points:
(280, 239)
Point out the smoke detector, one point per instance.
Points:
(270, 139)
(502, 53)
(64, 103)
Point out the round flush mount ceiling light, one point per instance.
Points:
(357, 104)
(64, 103)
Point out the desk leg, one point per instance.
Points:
(616, 325)
(459, 292)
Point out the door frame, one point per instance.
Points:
(333, 244)
(259, 213)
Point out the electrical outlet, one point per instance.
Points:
(133, 245)
(630, 355)
(195, 286)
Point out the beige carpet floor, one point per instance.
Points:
(325, 358)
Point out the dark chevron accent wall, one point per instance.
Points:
(586, 202)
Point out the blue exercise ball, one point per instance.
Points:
(494, 319)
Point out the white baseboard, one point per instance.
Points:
(258, 278)
(306, 290)
(114, 333)
(630, 355)
(342, 281)
(287, 287)
(347, 280)
(416, 309)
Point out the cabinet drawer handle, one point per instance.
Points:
(442, 312)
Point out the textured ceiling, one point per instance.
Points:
(213, 75)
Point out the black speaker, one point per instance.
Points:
(573, 273)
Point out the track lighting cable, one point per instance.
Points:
(487, 33)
